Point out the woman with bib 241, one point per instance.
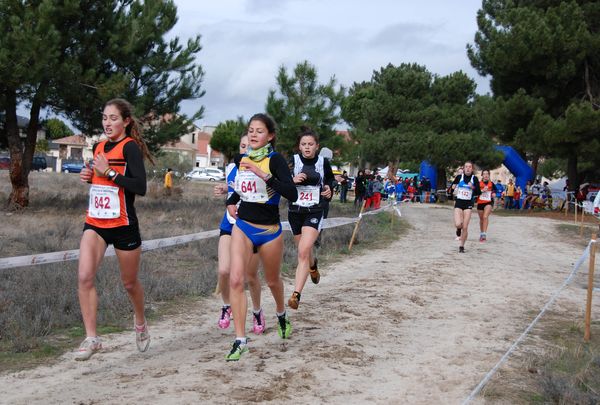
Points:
(314, 179)
(117, 176)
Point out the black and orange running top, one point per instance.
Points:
(487, 190)
(111, 202)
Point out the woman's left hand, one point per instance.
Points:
(253, 168)
(326, 192)
(100, 164)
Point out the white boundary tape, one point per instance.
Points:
(493, 371)
(69, 255)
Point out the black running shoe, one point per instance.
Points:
(458, 232)
(461, 249)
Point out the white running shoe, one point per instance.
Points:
(87, 348)
(142, 337)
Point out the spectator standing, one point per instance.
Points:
(169, 182)
(509, 195)
(518, 194)
(377, 189)
(425, 189)
(359, 188)
(369, 198)
(499, 192)
(400, 191)
(344, 187)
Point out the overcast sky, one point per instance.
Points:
(245, 41)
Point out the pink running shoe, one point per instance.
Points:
(259, 322)
(225, 318)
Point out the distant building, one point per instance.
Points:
(74, 147)
(206, 156)
(185, 152)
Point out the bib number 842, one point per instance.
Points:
(102, 202)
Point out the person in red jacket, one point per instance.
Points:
(118, 175)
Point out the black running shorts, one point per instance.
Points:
(463, 204)
(122, 237)
(481, 207)
(299, 219)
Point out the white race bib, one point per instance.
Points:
(250, 187)
(464, 193)
(486, 195)
(308, 196)
(104, 202)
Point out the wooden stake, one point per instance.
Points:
(590, 290)
(575, 211)
(356, 227)
(581, 226)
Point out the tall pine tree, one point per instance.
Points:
(543, 58)
(71, 57)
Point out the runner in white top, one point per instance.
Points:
(467, 188)
(313, 177)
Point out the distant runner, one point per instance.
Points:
(485, 203)
(467, 188)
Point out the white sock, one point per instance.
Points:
(280, 314)
(242, 340)
(257, 311)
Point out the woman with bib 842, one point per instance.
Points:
(117, 176)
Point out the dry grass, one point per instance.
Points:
(554, 367)
(39, 304)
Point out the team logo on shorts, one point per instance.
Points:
(314, 221)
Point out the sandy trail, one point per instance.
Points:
(412, 323)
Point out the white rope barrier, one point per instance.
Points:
(70, 255)
(512, 348)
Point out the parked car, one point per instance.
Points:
(39, 163)
(206, 173)
(4, 163)
(73, 167)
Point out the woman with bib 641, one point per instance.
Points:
(262, 178)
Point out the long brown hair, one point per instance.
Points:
(133, 129)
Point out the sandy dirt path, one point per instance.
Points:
(414, 322)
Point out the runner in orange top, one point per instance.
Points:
(485, 203)
(118, 174)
